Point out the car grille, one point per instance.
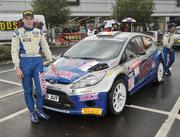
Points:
(64, 101)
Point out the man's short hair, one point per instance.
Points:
(28, 13)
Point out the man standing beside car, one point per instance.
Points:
(27, 42)
(168, 51)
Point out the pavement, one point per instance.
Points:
(153, 112)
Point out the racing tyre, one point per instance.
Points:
(117, 97)
(159, 73)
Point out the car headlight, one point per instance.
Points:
(89, 80)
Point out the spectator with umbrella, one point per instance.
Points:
(129, 20)
(111, 25)
(126, 28)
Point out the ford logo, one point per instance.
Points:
(52, 81)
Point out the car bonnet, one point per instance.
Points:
(69, 70)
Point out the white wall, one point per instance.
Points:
(14, 6)
(92, 7)
(166, 8)
(86, 7)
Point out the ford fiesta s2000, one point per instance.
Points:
(98, 74)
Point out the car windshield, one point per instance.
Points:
(177, 31)
(95, 49)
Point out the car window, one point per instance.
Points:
(129, 54)
(147, 42)
(135, 45)
(100, 49)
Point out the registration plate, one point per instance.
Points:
(52, 97)
(95, 111)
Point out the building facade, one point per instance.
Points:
(92, 7)
(78, 7)
(165, 10)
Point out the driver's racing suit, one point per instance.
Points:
(26, 46)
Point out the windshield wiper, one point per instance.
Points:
(90, 58)
(65, 56)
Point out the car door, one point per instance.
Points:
(136, 60)
(151, 52)
(146, 58)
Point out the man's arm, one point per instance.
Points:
(15, 54)
(166, 41)
(15, 49)
(45, 48)
(172, 40)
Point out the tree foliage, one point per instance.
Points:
(140, 10)
(56, 12)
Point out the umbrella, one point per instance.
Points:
(111, 21)
(129, 20)
(108, 23)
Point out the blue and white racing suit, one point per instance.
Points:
(168, 52)
(26, 46)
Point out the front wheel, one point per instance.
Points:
(117, 97)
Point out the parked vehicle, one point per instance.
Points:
(100, 73)
(177, 37)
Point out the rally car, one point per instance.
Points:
(98, 74)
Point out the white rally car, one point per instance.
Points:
(98, 74)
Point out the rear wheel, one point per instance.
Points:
(117, 97)
(159, 73)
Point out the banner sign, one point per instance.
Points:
(13, 25)
(70, 38)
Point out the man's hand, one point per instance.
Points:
(53, 67)
(19, 73)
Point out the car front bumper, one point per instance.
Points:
(86, 104)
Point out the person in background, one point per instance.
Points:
(97, 30)
(27, 42)
(168, 52)
(114, 27)
(82, 29)
(108, 27)
(126, 28)
(90, 30)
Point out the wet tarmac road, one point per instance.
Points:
(154, 112)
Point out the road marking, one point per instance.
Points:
(6, 71)
(166, 126)
(10, 82)
(10, 94)
(148, 109)
(13, 115)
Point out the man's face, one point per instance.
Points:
(28, 21)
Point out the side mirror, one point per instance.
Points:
(123, 58)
